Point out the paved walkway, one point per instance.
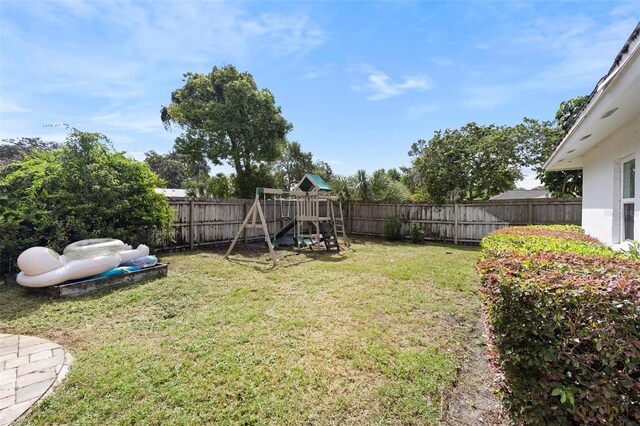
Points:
(30, 367)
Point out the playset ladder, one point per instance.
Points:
(338, 223)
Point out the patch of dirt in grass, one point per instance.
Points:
(472, 400)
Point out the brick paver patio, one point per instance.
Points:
(30, 367)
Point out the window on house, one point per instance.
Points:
(628, 198)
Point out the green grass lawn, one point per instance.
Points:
(369, 336)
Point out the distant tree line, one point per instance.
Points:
(477, 162)
(226, 119)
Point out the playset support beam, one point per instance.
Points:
(255, 208)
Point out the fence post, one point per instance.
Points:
(350, 217)
(244, 214)
(191, 230)
(455, 223)
(530, 213)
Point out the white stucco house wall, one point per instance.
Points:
(605, 143)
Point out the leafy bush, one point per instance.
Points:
(81, 190)
(632, 250)
(392, 227)
(417, 233)
(564, 327)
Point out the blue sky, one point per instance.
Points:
(359, 81)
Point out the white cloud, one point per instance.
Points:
(137, 120)
(442, 61)
(144, 39)
(197, 32)
(626, 9)
(381, 86)
(108, 66)
(8, 107)
(80, 8)
(579, 52)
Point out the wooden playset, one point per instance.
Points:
(314, 220)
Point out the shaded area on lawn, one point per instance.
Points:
(376, 337)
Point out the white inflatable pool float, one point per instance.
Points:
(43, 267)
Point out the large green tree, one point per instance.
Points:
(473, 162)
(323, 169)
(175, 169)
(540, 138)
(16, 149)
(292, 165)
(569, 111)
(565, 182)
(225, 117)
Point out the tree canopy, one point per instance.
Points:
(473, 162)
(16, 149)
(225, 117)
(295, 163)
(175, 169)
(292, 165)
(569, 111)
(565, 182)
(477, 162)
(539, 139)
(205, 186)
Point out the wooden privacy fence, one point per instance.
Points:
(204, 222)
(464, 222)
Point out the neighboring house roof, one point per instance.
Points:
(519, 194)
(613, 102)
(313, 182)
(170, 192)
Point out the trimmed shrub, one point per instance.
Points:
(564, 327)
(536, 239)
(417, 233)
(392, 227)
(84, 189)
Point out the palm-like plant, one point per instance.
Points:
(362, 187)
(342, 188)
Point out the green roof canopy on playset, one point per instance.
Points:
(313, 182)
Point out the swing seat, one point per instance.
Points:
(305, 240)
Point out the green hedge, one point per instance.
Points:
(564, 321)
(84, 189)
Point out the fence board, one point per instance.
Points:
(469, 222)
(203, 222)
